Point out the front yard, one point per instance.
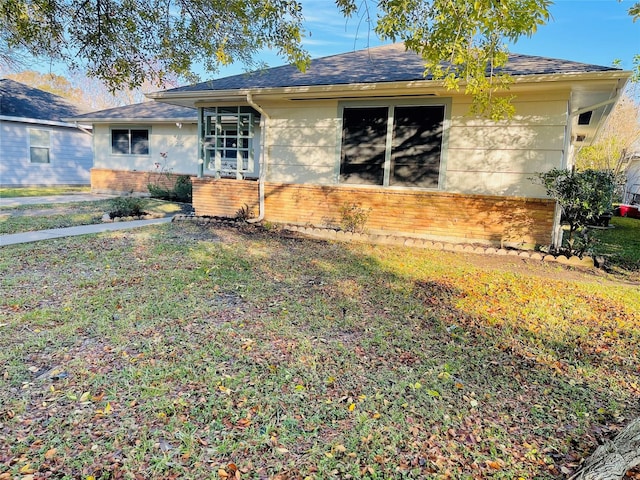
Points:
(29, 218)
(187, 351)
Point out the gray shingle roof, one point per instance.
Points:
(389, 63)
(22, 101)
(150, 111)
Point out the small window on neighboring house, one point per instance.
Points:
(392, 145)
(39, 145)
(228, 140)
(130, 141)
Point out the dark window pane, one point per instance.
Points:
(364, 132)
(39, 155)
(416, 146)
(140, 142)
(120, 141)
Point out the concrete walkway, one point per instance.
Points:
(27, 237)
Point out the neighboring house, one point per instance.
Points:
(139, 144)
(37, 147)
(632, 187)
(367, 130)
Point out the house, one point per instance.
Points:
(37, 147)
(632, 187)
(368, 130)
(144, 143)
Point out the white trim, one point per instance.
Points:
(37, 121)
(127, 120)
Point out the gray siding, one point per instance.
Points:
(70, 153)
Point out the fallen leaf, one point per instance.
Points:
(49, 454)
(26, 468)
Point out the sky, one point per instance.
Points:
(589, 31)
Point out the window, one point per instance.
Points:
(228, 134)
(585, 118)
(394, 145)
(130, 141)
(39, 144)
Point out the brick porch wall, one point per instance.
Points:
(125, 181)
(437, 215)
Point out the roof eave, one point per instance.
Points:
(425, 87)
(98, 120)
(36, 121)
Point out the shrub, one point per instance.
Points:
(354, 218)
(244, 213)
(182, 190)
(584, 197)
(127, 207)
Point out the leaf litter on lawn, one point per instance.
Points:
(200, 352)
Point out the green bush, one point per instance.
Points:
(584, 197)
(127, 207)
(182, 190)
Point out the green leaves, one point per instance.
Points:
(582, 196)
(125, 42)
(634, 11)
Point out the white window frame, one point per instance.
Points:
(228, 134)
(39, 144)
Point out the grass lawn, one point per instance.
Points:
(29, 218)
(191, 352)
(621, 244)
(41, 191)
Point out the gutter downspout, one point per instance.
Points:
(263, 158)
(557, 233)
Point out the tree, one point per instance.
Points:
(613, 459)
(127, 42)
(49, 82)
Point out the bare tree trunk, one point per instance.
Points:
(613, 459)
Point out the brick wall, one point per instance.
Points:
(221, 197)
(446, 216)
(126, 181)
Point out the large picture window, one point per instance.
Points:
(393, 145)
(228, 140)
(39, 145)
(130, 141)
